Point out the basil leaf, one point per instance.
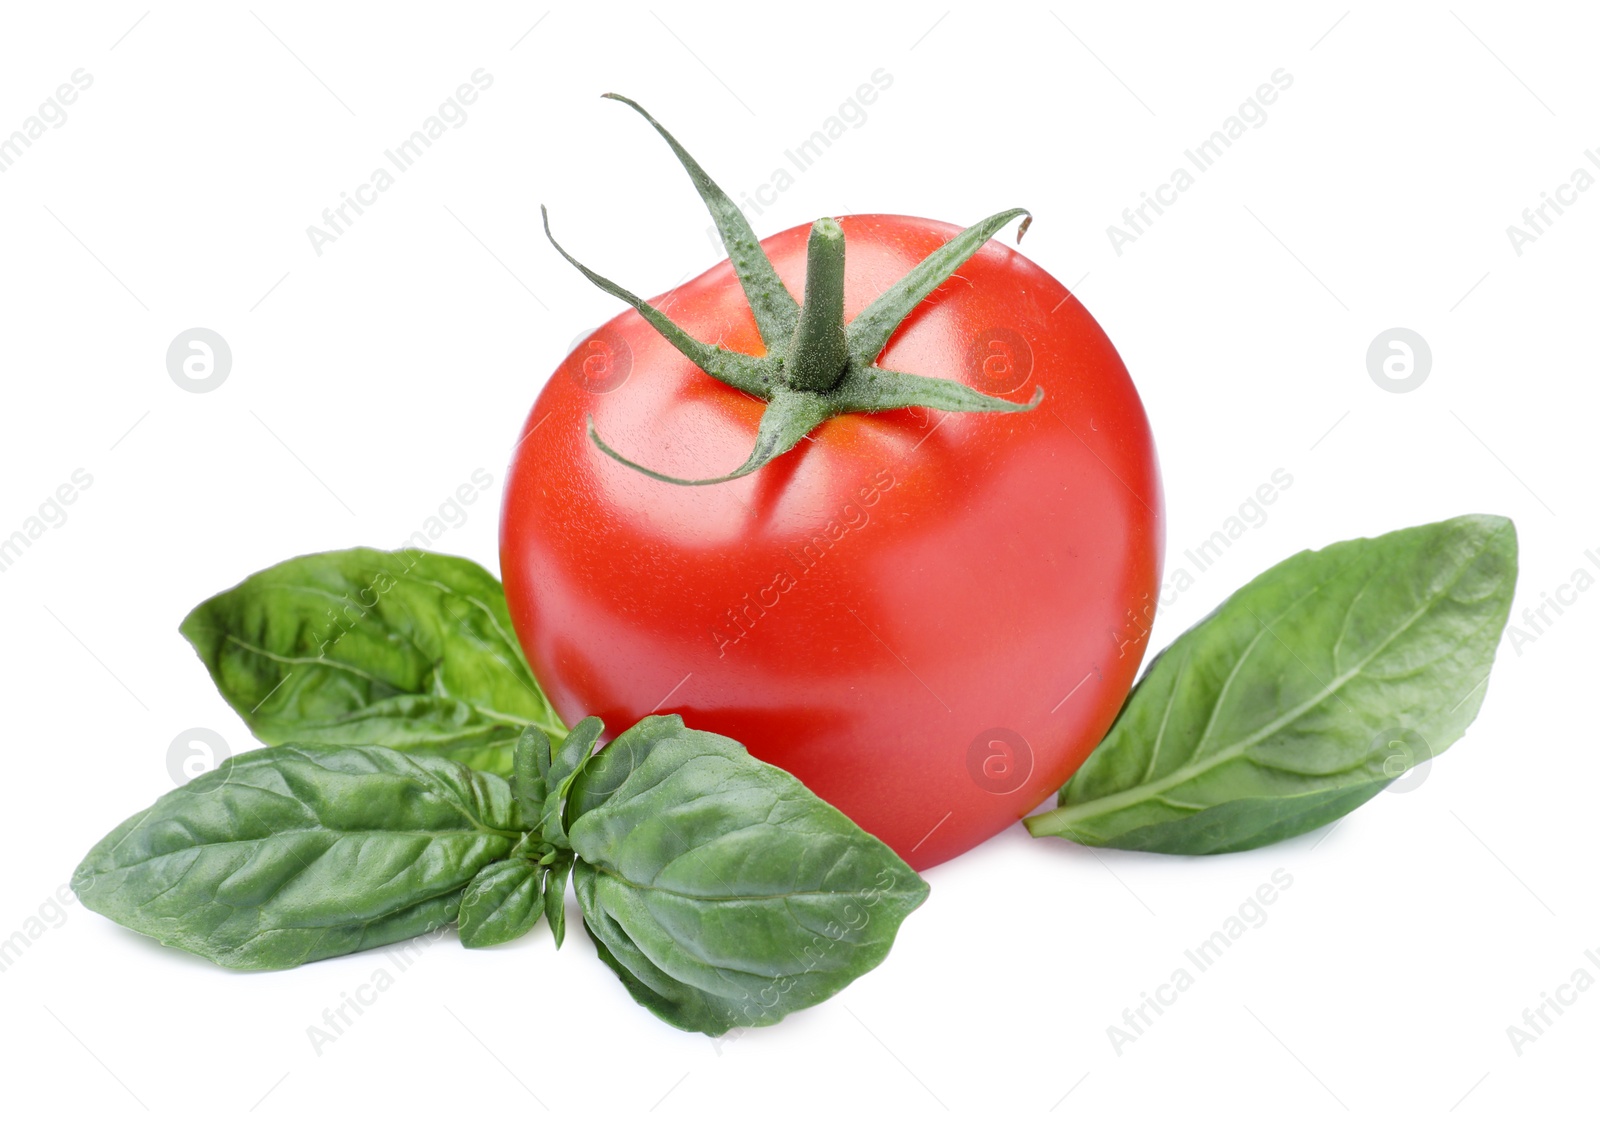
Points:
(1280, 712)
(718, 888)
(555, 896)
(567, 762)
(530, 764)
(609, 768)
(411, 650)
(680, 1004)
(285, 855)
(503, 902)
(572, 754)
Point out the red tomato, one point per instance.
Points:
(929, 618)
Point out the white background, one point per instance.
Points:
(370, 381)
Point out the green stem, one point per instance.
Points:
(820, 352)
(815, 366)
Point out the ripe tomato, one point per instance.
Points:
(930, 618)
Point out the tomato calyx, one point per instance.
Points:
(816, 365)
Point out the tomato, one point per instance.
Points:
(929, 618)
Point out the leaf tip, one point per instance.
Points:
(1495, 533)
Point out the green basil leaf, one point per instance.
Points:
(555, 896)
(680, 1004)
(289, 854)
(412, 650)
(530, 765)
(718, 888)
(503, 902)
(1305, 694)
(572, 754)
(567, 762)
(609, 768)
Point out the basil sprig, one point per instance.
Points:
(1306, 693)
(409, 649)
(720, 890)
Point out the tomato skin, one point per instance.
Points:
(929, 618)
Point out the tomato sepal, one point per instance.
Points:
(816, 366)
